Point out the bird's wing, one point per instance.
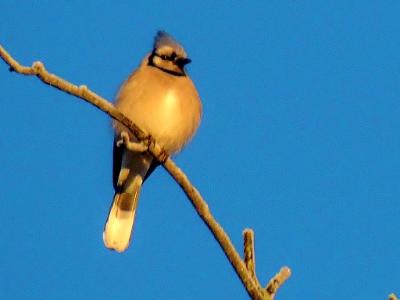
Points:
(117, 163)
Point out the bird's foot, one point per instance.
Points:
(131, 146)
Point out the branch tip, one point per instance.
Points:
(249, 252)
(278, 280)
(248, 231)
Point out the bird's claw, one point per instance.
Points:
(132, 146)
(124, 139)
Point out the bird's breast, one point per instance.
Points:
(166, 106)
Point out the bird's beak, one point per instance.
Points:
(183, 61)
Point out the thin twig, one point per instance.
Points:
(245, 272)
(249, 253)
(278, 280)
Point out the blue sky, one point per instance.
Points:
(299, 141)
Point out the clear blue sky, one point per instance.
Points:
(299, 141)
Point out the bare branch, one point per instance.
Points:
(222, 238)
(244, 269)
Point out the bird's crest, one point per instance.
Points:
(165, 41)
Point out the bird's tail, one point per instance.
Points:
(119, 225)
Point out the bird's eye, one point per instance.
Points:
(165, 57)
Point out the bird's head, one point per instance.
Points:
(168, 55)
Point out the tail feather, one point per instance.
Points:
(119, 225)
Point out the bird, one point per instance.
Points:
(161, 99)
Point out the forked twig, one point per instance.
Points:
(245, 269)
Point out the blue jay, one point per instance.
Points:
(160, 98)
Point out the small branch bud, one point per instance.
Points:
(38, 67)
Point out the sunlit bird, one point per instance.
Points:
(160, 98)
